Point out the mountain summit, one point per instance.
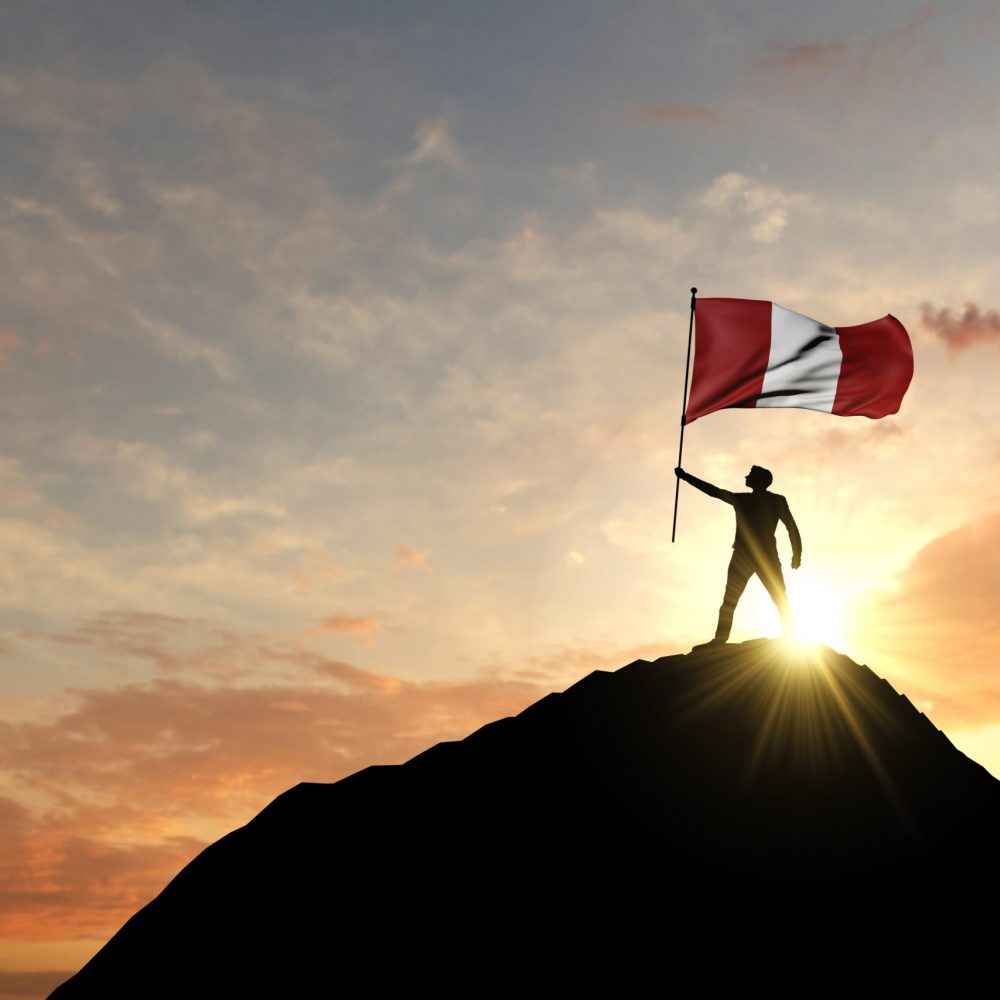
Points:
(739, 776)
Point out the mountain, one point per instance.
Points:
(759, 784)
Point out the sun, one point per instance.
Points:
(817, 608)
(816, 605)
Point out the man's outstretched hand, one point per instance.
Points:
(679, 472)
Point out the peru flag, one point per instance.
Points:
(752, 353)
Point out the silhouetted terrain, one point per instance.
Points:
(745, 784)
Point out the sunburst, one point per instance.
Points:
(817, 607)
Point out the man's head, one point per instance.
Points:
(758, 478)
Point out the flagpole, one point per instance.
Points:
(680, 450)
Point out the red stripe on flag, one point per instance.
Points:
(732, 345)
(876, 369)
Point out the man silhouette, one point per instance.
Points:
(754, 549)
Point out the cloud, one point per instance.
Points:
(316, 573)
(9, 342)
(939, 623)
(150, 472)
(53, 103)
(165, 643)
(181, 346)
(93, 188)
(435, 145)
(897, 55)
(974, 204)
(113, 241)
(107, 800)
(678, 114)
(766, 207)
(561, 665)
(832, 446)
(805, 58)
(351, 624)
(958, 332)
(60, 884)
(31, 985)
(340, 329)
(412, 558)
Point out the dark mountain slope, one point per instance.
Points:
(747, 779)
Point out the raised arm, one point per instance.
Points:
(793, 533)
(700, 484)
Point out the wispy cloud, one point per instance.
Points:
(167, 643)
(412, 558)
(896, 55)
(436, 145)
(360, 625)
(805, 57)
(152, 473)
(182, 346)
(668, 113)
(9, 343)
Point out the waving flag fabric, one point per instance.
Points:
(758, 354)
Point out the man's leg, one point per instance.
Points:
(774, 581)
(740, 569)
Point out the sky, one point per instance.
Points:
(342, 350)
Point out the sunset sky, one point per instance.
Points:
(342, 348)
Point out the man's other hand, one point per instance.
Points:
(796, 562)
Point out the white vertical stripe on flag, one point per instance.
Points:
(804, 363)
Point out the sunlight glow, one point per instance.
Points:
(817, 611)
(816, 605)
(799, 651)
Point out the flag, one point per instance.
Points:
(758, 354)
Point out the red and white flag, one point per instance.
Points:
(758, 354)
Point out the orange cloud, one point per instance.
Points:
(351, 624)
(30, 985)
(413, 558)
(957, 332)
(107, 801)
(678, 114)
(9, 342)
(808, 58)
(57, 883)
(940, 625)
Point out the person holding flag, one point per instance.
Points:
(754, 548)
